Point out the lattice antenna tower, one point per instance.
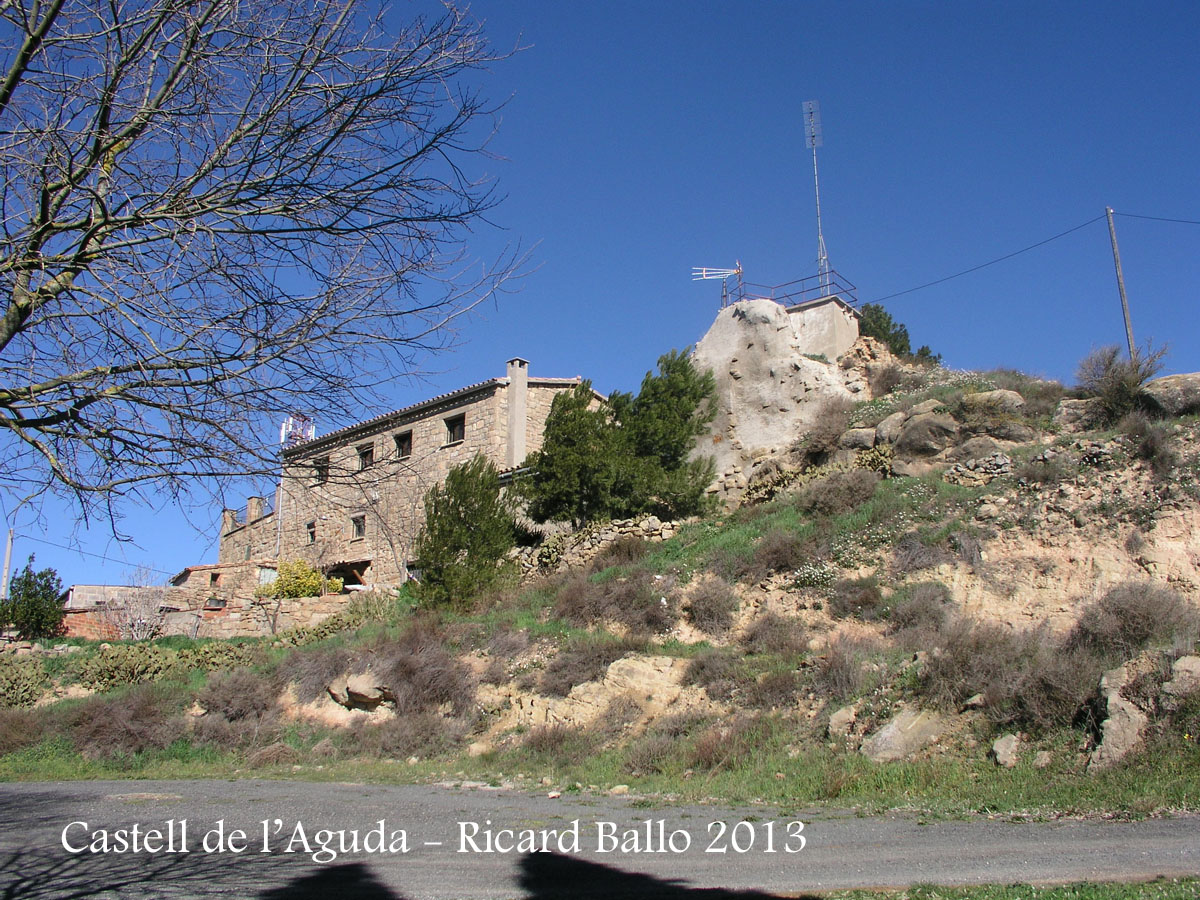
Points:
(813, 140)
(296, 429)
(701, 273)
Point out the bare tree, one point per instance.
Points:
(216, 213)
(136, 613)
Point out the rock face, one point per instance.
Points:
(1125, 725)
(908, 732)
(1185, 677)
(1175, 395)
(768, 391)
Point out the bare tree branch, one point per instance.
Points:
(215, 213)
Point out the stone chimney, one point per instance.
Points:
(254, 508)
(518, 405)
(228, 520)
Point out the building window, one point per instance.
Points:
(358, 527)
(404, 445)
(321, 470)
(311, 528)
(215, 603)
(214, 579)
(366, 456)
(267, 575)
(456, 429)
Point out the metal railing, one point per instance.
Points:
(802, 290)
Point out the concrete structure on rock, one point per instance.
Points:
(350, 502)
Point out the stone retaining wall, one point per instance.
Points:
(578, 549)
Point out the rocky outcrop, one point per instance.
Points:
(769, 392)
(1174, 395)
(1185, 677)
(1125, 724)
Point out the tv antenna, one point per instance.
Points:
(813, 140)
(700, 273)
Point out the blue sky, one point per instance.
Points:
(641, 139)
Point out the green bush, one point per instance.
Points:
(469, 529)
(297, 578)
(34, 605)
(1150, 442)
(626, 458)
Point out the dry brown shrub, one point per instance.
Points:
(774, 690)
(651, 754)
(581, 662)
(635, 601)
(778, 551)
(922, 607)
(821, 440)
(1027, 678)
(772, 633)
(20, 728)
(730, 743)
(241, 710)
(421, 673)
(624, 551)
(911, 554)
(838, 492)
(312, 670)
(1131, 617)
(417, 734)
(858, 597)
(275, 754)
(145, 718)
(841, 670)
(711, 605)
(718, 672)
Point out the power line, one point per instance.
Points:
(993, 262)
(89, 553)
(1157, 218)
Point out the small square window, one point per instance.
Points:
(404, 445)
(456, 429)
(321, 470)
(366, 456)
(214, 579)
(311, 529)
(358, 527)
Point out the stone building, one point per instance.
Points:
(350, 502)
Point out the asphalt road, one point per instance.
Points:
(77, 839)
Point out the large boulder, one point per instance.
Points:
(1174, 395)
(908, 732)
(1008, 403)
(926, 434)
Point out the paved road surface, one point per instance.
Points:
(437, 845)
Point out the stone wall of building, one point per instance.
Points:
(255, 618)
(245, 538)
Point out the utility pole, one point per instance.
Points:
(1112, 233)
(7, 563)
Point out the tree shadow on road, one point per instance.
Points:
(550, 876)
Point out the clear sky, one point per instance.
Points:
(641, 139)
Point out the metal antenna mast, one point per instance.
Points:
(723, 275)
(813, 140)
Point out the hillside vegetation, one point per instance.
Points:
(920, 619)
